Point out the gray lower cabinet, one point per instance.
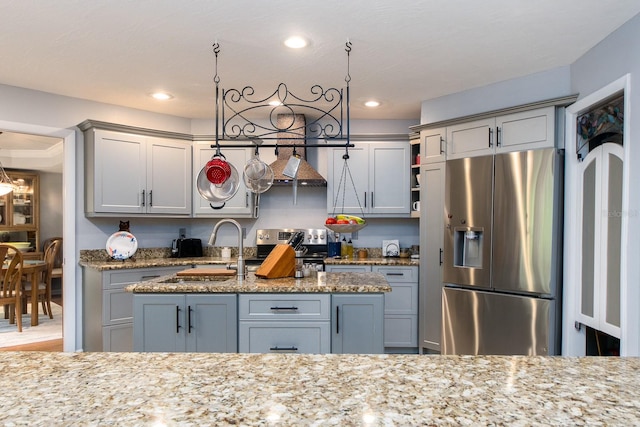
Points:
(284, 323)
(185, 322)
(400, 305)
(108, 308)
(400, 308)
(357, 322)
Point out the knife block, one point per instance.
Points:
(281, 262)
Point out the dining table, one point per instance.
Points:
(31, 268)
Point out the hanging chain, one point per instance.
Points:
(343, 180)
(347, 79)
(216, 79)
(347, 49)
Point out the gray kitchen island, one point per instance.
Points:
(330, 313)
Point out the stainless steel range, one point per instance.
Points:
(315, 242)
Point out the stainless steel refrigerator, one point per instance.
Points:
(502, 266)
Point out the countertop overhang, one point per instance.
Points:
(293, 389)
(324, 283)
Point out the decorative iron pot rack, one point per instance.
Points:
(329, 109)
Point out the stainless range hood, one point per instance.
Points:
(294, 130)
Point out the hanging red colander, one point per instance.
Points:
(217, 170)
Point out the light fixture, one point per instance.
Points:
(372, 104)
(6, 185)
(295, 42)
(161, 96)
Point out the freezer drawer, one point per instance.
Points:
(478, 322)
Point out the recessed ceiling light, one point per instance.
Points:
(372, 104)
(295, 42)
(161, 96)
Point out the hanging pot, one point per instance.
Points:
(217, 170)
(218, 193)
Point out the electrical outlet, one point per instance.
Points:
(182, 232)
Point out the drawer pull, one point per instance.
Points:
(143, 278)
(292, 308)
(276, 348)
(395, 274)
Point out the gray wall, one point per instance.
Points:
(541, 86)
(50, 205)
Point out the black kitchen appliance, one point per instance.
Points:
(186, 247)
(315, 242)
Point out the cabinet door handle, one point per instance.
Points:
(365, 199)
(246, 200)
(144, 195)
(490, 137)
(441, 256)
(292, 308)
(498, 132)
(337, 319)
(276, 348)
(372, 200)
(189, 326)
(150, 197)
(177, 319)
(441, 145)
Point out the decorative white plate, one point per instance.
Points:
(122, 245)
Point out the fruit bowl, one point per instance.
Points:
(345, 228)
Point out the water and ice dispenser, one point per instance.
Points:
(467, 247)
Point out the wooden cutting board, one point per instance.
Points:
(206, 272)
(281, 262)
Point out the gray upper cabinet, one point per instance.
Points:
(525, 130)
(432, 145)
(240, 205)
(136, 174)
(381, 176)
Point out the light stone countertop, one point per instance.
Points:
(324, 283)
(406, 262)
(194, 389)
(104, 265)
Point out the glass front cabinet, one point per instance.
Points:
(19, 211)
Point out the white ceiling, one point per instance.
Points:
(404, 52)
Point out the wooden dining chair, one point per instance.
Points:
(56, 273)
(44, 285)
(10, 290)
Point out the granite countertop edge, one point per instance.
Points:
(307, 389)
(323, 283)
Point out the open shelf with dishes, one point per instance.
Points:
(415, 175)
(19, 212)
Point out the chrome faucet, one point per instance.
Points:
(212, 239)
